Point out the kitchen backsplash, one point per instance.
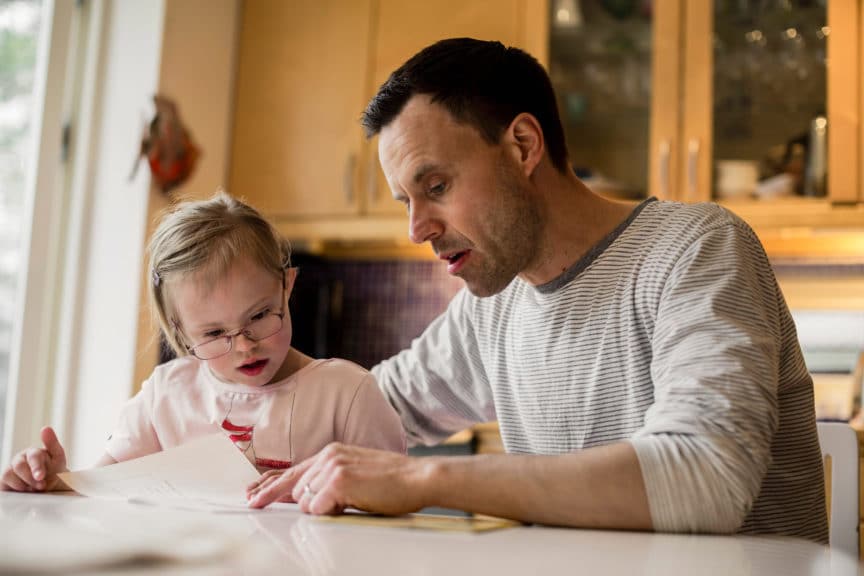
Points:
(366, 311)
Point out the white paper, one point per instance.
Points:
(208, 473)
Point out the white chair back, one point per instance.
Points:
(839, 444)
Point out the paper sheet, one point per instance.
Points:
(208, 473)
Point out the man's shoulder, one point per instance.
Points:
(672, 225)
(700, 216)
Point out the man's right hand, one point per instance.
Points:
(35, 469)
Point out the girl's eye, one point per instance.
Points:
(213, 334)
(259, 316)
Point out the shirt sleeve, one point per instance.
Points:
(438, 385)
(705, 445)
(372, 422)
(134, 435)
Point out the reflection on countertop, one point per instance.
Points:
(169, 541)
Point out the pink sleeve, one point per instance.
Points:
(372, 422)
(134, 435)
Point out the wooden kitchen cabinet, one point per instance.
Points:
(656, 95)
(814, 34)
(306, 71)
(643, 89)
(302, 74)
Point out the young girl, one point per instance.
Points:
(220, 280)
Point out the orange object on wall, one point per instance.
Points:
(170, 151)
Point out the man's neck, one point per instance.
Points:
(576, 220)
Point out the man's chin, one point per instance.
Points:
(485, 289)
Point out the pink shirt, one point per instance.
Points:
(276, 426)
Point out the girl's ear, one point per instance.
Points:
(290, 277)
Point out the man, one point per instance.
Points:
(640, 360)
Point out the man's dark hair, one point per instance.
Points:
(484, 84)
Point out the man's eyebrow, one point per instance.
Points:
(423, 171)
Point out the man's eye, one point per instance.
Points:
(437, 189)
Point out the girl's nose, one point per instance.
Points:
(243, 343)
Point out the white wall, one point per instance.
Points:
(117, 215)
(830, 329)
(198, 55)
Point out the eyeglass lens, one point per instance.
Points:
(256, 330)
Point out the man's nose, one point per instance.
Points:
(422, 226)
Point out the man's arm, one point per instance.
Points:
(437, 386)
(596, 488)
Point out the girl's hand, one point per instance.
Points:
(35, 469)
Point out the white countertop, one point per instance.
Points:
(61, 530)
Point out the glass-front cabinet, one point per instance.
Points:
(756, 104)
(600, 63)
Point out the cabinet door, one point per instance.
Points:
(404, 27)
(759, 97)
(614, 66)
(301, 81)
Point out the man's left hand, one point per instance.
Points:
(342, 476)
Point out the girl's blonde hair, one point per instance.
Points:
(203, 239)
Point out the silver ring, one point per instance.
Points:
(307, 491)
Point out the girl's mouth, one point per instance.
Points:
(253, 368)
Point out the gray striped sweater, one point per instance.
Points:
(671, 334)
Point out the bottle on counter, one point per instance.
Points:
(816, 173)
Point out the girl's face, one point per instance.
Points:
(246, 293)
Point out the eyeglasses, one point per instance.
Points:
(260, 327)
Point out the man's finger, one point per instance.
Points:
(260, 485)
(273, 490)
(263, 479)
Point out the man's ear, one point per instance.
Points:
(526, 137)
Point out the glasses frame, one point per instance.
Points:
(231, 335)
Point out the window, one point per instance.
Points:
(20, 24)
(82, 222)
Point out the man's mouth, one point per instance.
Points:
(456, 260)
(253, 368)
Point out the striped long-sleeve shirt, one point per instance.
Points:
(671, 334)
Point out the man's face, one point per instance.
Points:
(467, 198)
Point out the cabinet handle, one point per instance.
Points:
(692, 168)
(665, 150)
(372, 178)
(348, 178)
